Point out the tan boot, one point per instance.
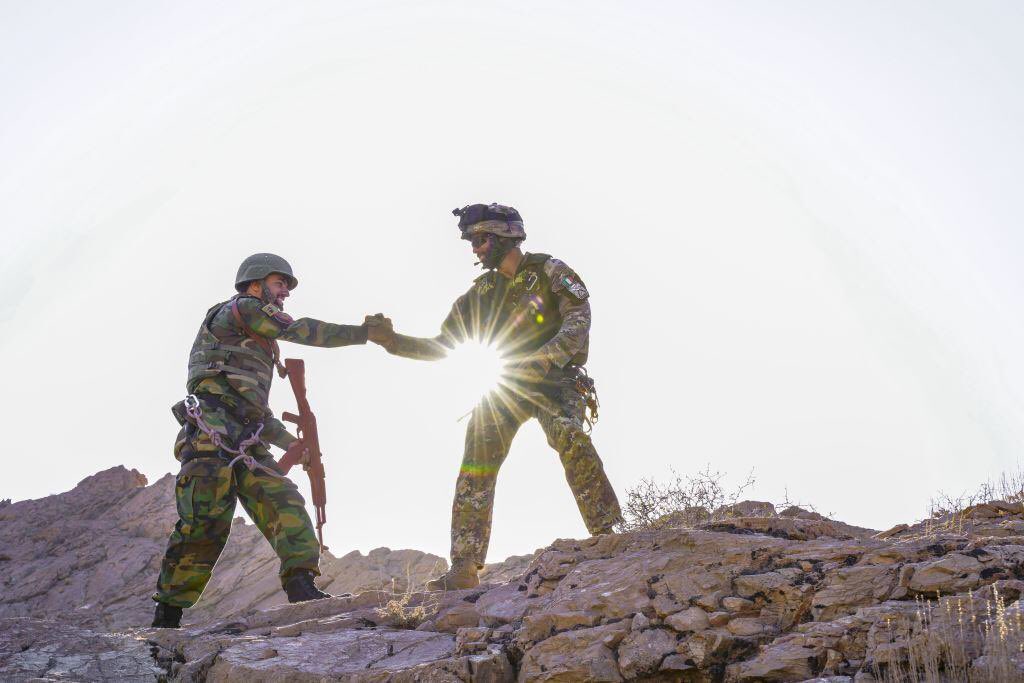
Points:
(462, 575)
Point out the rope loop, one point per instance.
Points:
(194, 411)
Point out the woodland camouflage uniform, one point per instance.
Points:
(230, 374)
(542, 312)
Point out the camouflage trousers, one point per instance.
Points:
(559, 408)
(206, 491)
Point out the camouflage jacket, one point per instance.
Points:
(543, 311)
(228, 363)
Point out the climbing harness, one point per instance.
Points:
(195, 412)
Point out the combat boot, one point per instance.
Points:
(462, 575)
(300, 587)
(167, 616)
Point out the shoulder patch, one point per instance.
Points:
(564, 278)
(277, 314)
(574, 286)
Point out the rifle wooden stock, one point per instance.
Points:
(307, 449)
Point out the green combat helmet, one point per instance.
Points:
(259, 266)
(496, 219)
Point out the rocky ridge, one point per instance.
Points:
(770, 598)
(97, 549)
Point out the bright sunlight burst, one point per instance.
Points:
(474, 369)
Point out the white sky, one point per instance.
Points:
(799, 222)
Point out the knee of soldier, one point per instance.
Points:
(279, 491)
(568, 437)
(201, 553)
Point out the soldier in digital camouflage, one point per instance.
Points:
(225, 418)
(536, 311)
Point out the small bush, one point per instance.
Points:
(685, 501)
(398, 613)
(1009, 487)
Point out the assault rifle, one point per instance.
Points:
(307, 449)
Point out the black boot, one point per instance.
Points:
(167, 616)
(300, 587)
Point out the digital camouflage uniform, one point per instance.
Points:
(541, 313)
(230, 373)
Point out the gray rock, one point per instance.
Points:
(642, 652)
(37, 649)
(791, 598)
(98, 547)
(692, 619)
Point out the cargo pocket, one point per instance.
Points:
(184, 488)
(198, 491)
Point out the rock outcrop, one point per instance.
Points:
(779, 598)
(90, 557)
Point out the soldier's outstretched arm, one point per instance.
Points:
(420, 348)
(273, 323)
(417, 348)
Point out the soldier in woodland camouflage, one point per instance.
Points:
(536, 310)
(229, 375)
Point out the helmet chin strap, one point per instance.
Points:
(264, 294)
(496, 253)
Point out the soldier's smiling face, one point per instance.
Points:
(276, 287)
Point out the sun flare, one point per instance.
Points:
(475, 369)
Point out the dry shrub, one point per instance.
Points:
(689, 500)
(1009, 487)
(684, 501)
(398, 613)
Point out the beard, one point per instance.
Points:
(496, 252)
(268, 298)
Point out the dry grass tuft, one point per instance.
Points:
(398, 613)
(966, 638)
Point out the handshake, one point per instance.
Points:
(379, 329)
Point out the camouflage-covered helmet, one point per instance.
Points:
(503, 221)
(259, 266)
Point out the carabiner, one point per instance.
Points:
(192, 406)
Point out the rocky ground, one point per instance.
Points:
(97, 550)
(750, 598)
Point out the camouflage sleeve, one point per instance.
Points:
(574, 307)
(318, 333)
(273, 323)
(418, 348)
(453, 331)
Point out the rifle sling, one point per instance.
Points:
(268, 345)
